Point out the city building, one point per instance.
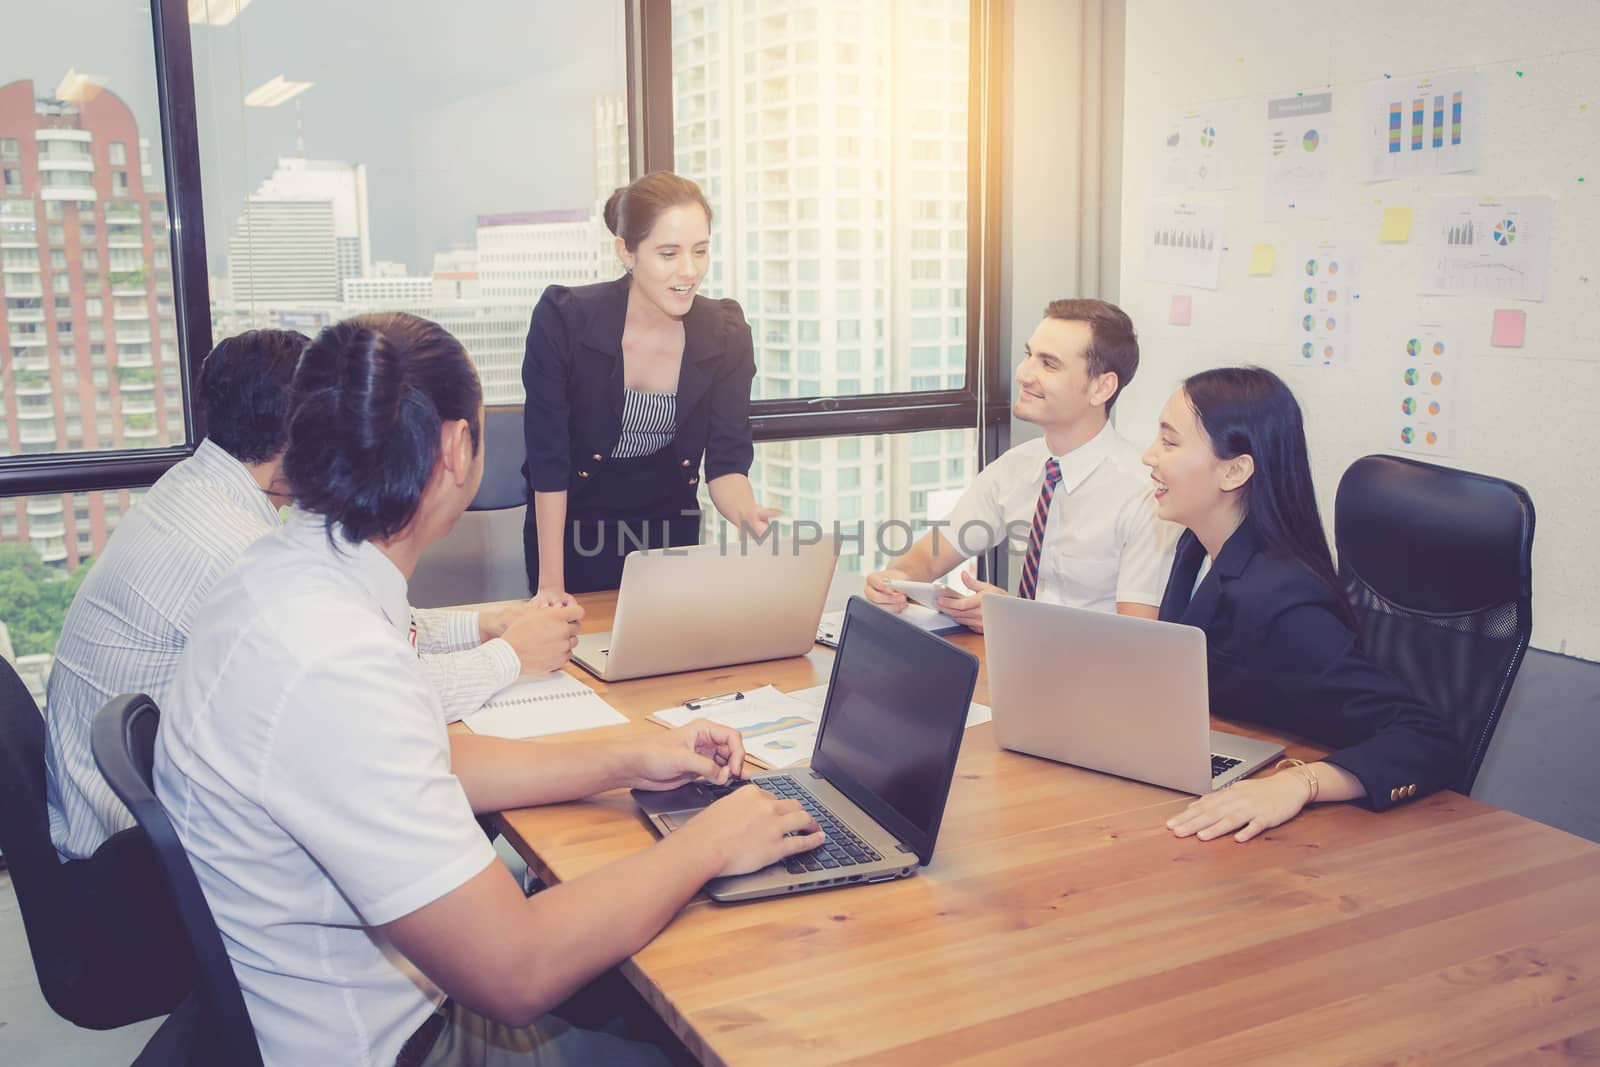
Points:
(88, 335)
(302, 233)
(830, 139)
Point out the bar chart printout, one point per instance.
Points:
(1487, 246)
(1430, 125)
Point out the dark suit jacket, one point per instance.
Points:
(1277, 653)
(573, 373)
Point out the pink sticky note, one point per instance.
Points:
(1181, 308)
(1509, 324)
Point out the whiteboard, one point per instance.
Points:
(1529, 414)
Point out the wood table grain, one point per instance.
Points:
(1061, 923)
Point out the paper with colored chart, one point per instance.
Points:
(1183, 243)
(1423, 396)
(1299, 152)
(1488, 246)
(1323, 300)
(1194, 150)
(778, 730)
(1430, 125)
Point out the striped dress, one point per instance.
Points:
(649, 423)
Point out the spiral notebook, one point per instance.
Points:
(555, 704)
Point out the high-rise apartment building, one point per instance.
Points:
(830, 138)
(87, 333)
(611, 165)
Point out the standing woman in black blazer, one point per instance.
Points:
(1254, 572)
(629, 383)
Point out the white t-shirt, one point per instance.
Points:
(128, 624)
(303, 758)
(1102, 541)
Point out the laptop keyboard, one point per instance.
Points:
(843, 848)
(1221, 765)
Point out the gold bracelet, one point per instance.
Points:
(1305, 774)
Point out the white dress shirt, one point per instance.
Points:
(304, 761)
(134, 613)
(1102, 541)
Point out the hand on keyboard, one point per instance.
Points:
(751, 828)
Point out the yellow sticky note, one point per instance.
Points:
(1396, 226)
(1262, 258)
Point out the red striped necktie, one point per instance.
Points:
(1041, 515)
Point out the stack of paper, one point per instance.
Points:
(555, 704)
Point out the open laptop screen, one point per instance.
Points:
(892, 727)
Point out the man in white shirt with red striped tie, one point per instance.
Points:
(1074, 503)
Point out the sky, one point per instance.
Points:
(475, 107)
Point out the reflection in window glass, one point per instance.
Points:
(868, 153)
(83, 233)
(449, 163)
(46, 545)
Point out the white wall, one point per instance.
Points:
(1532, 413)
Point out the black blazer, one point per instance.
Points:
(572, 371)
(1277, 653)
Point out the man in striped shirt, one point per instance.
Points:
(132, 616)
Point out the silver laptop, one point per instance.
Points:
(686, 609)
(886, 750)
(1111, 693)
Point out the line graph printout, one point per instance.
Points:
(1299, 155)
(1194, 150)
(1488, 246)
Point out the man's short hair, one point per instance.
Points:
(243, 393)
(1113, 346)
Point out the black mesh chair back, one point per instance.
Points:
(104, 937)
(1438, 564)
(506, 451)
(123, 741)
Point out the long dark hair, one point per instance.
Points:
(365, 410)
(1249, 410)
(632, 211)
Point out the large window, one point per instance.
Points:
(89, 343)
(831, 140)
(88, 337)
(446, 161)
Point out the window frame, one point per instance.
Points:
(72, 472)
(982, 402)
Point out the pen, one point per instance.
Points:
(696, 703)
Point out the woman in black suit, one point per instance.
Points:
(1254, 572)
(629, 383)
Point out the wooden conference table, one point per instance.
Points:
(1060, 922)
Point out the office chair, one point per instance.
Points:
(507, 450)
(106, 943)
(481, 559)
(1438, 564)
(213, 1026)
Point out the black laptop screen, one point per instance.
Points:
(896, 710)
